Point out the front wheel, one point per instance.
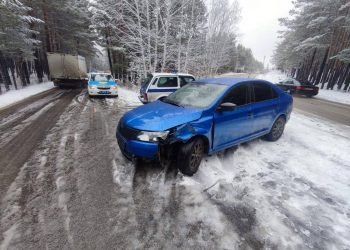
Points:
(277, 130)
(190, 156)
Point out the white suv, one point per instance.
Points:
(158, 85)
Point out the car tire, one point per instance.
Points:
(190, 156)
(276, 130)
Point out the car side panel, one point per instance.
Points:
(232, 126)
(264, 114)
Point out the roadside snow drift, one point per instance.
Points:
(334, 96)
(17, 95)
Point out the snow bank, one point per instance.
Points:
(334, 96)
(129, 97)
(18, 95)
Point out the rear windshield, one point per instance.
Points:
(146, 81)
(101, 77)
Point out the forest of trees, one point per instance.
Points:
(315, 44)
(139, 37)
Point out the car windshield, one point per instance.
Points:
(101, 77)
(197, 95)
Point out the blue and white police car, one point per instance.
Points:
(159, 85)
(102, 84)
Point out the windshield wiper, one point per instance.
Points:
(171, 102)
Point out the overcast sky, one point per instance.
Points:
(259, 25)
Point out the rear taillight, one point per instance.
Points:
(300, 88)
(145, 97)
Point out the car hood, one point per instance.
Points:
(159, 116)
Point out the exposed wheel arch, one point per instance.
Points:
(204, 139)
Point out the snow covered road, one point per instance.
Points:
(72, 189)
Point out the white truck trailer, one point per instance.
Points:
(67, 70)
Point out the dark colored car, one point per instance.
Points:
(204, 117)
(293, 86)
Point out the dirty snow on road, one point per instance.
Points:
(77, 191)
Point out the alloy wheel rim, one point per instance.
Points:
(196, 155)
(278, 129)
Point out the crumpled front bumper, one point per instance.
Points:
(137, 149)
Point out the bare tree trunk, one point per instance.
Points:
(190, 37)
(149, 34)
(12, 69)
(4, 72)
(322, 68)
(179, 49)
(140, 39)
(109, 53)
(166, 32)
(155, 64)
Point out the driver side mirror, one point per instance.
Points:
(226, 106)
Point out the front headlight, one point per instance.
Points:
(114, 87)
(92, 87)
(152, 136)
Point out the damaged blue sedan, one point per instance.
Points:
(204, 117)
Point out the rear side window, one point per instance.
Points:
(185, 79)
(238, 96)
(263, 92)
(165, 82)
(146, 81)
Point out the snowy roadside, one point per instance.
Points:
(13, 96)
(334, 96)
(128, 97)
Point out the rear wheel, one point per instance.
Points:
(190, 156)
(277, 130)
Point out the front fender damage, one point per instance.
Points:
(168, 149)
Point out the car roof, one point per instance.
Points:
(171, 74)
(229, 81)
